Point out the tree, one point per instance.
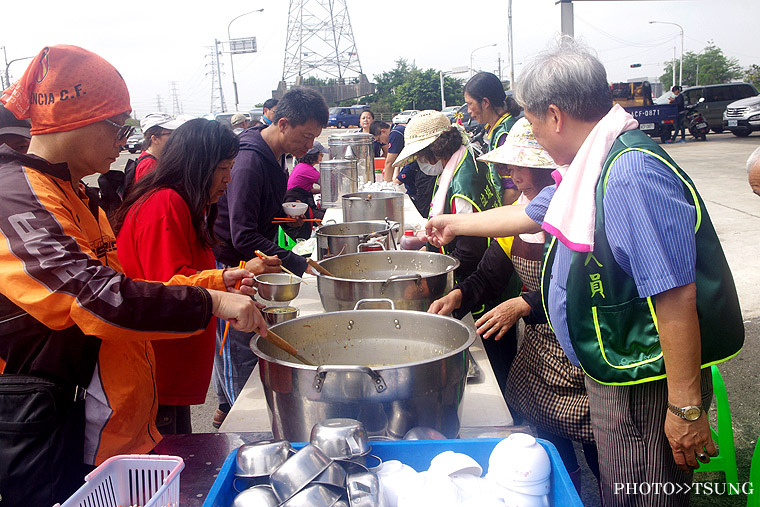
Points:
(408, 87)
(713, 67)
(752, 75)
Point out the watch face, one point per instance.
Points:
(692, 413)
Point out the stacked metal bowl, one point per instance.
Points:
(330, 471)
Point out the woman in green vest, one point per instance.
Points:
(490, 106)
(462, 186)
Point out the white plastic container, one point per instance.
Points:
(131, 479)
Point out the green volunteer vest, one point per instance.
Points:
(470, 182)
(614, 331)
(499, 131)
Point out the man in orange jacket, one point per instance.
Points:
(78, 386)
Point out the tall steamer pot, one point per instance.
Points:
(391, 369)
(361, 206)
(355, 146)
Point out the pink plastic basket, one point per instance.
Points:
(131, 479)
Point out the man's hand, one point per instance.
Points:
(241, 311)
(269, 264)
(447, 304)
(690, 441)
(440, 230)
(497, 321)
(681, 347)
(231, 278)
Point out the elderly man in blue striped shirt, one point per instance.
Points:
(634, 283)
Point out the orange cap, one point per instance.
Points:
(66, 88)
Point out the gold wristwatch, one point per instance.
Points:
(688, 413)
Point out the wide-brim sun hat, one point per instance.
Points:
(520, 148)
(422, 131)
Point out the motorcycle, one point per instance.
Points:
(695, 122)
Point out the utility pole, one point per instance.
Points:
(499, 71)
(219, 73)
(176, 105)
(511, 49)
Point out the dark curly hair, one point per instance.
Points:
(444, 147)
(309, 158)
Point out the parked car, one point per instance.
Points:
(404, 116)
(743, 116)
(717, 98)
(345, 116)
(227, 117)
(256, 113)
(450, 111)
(134, 142)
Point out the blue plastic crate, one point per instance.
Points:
(417, 454)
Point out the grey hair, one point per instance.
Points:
(568, 76)
(753, 160)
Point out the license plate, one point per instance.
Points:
(732, 123)
(704, 125)
(646, 126)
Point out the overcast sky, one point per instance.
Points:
(154, 43)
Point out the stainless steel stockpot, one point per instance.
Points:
(361, 206)
(392, 370)
(349, 237)
(411, 279)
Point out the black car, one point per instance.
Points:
(134, 142)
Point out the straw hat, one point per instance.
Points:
(423, 129)
(521, 149)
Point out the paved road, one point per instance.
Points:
(717, 166)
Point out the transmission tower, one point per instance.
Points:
(176, 104)
(217, 94)
(320, 41)
(159, 104)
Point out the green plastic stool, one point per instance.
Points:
(753, 499)
(283, 240)
(725, 461)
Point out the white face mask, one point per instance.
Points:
(430, 169)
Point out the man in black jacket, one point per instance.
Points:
(254, 197)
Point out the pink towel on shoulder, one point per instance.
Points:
(572, 212)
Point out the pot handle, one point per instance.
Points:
(369, 243)
(375, 300)
(319, 378)
(399, 278)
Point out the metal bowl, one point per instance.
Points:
(424, 433)
(257, 496)
(278, 286)
(298, 471)
(276, 314)
(313, 495)
(363, 488)
(261, 458)
(340, 438)
(334, 475)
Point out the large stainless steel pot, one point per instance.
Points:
(350, 237)
(391, 369)
(411, 279)
(361, 206)
(337, 177)
(356, 146)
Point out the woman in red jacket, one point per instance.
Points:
(166, 228)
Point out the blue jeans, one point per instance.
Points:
(233, 368)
